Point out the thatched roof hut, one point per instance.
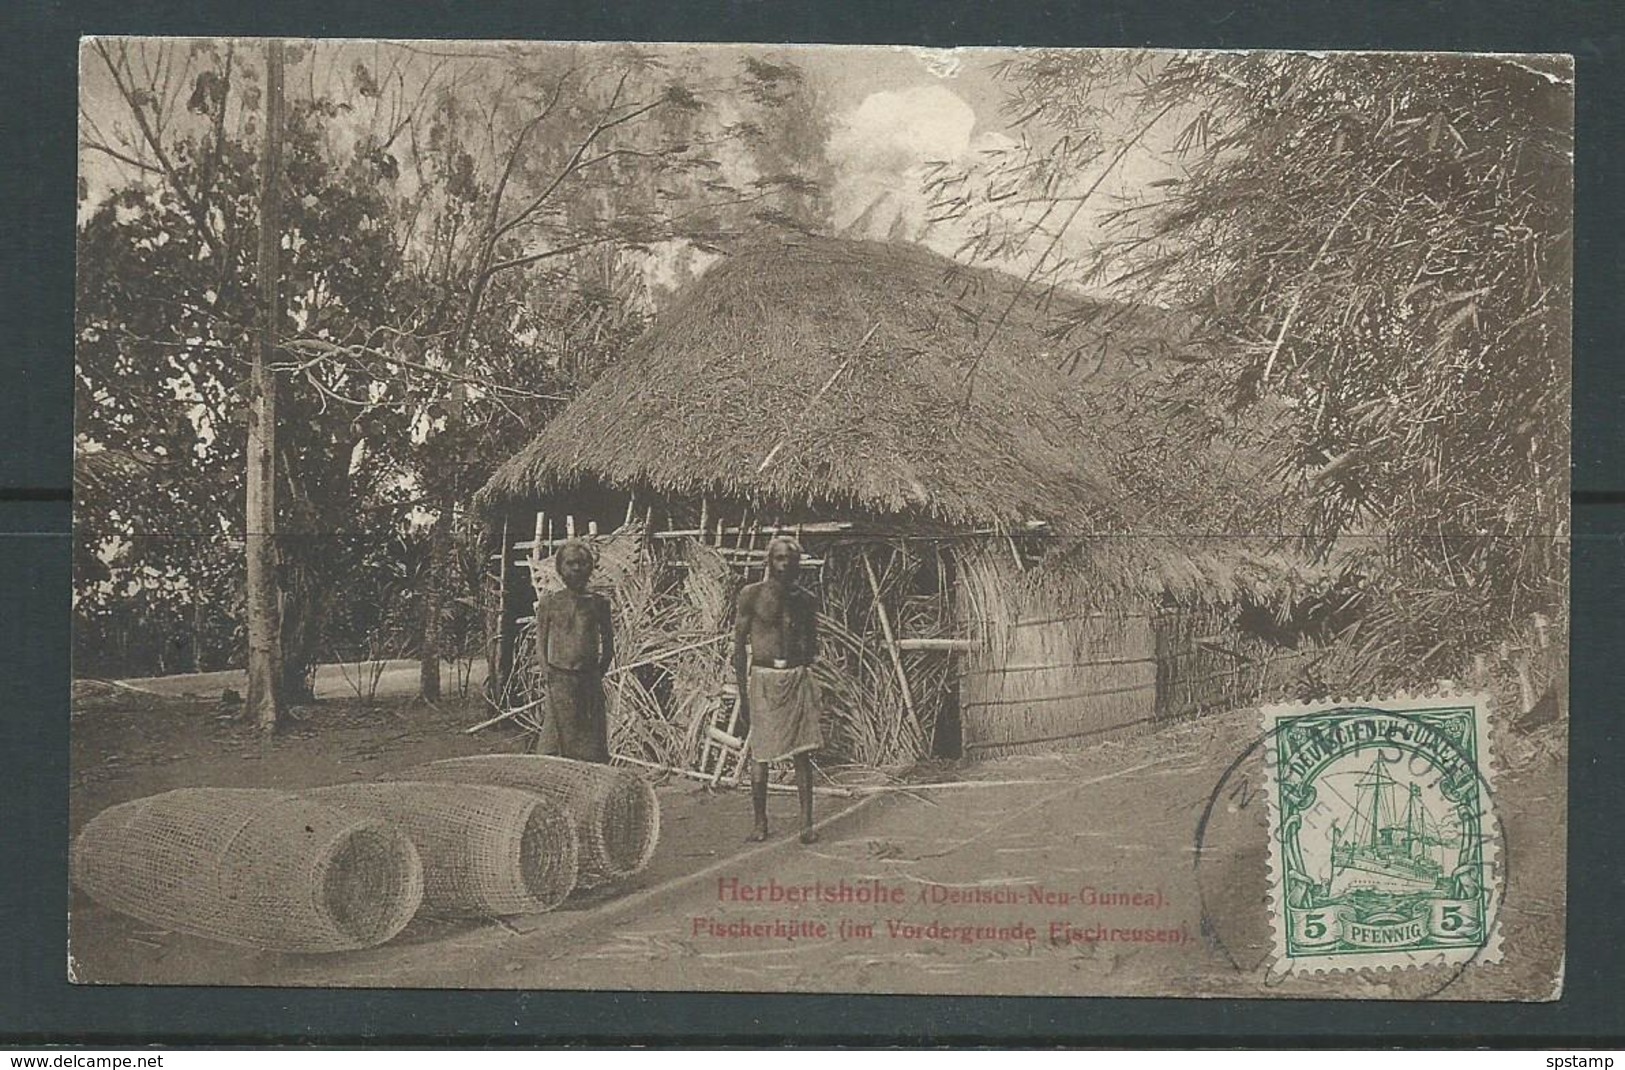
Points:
(891, 381)
(917, 398)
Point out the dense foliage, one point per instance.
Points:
(467, 241)
(1380, 245)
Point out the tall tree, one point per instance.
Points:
(260, 523)
(168, 311)
(566, 167)
(466, 240)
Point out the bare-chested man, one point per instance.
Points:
(775, 643)
(575, 643)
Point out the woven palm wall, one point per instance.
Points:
(1044, 677)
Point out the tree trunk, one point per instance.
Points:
(197, 634)
(303, 610)
(433, 599)
(264, 612)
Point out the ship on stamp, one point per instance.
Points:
(1383, 844)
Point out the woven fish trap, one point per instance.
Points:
(487, 851)
(256, 868)
(616, 812)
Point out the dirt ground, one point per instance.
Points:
(1131, 902)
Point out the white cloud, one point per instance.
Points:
(883, 150)
(890, 132)
(880, 150)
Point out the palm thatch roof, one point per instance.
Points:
(888, 380)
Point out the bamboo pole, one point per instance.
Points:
(503, 665)
(777, 789)
(822, 527)
(503, 716)
(952, 646)
(733, 743)
(891, 641)
(1035, 621)
(664, 654)
(836, 374)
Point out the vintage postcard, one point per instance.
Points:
(821, 519)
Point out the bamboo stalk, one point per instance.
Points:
(663, 655)
(1079, 616)
(548, 544)
(707, 745)
(891, 641)
(950, 645)
(503, 716)
(836, 374)
(778, 789)
(746, 565)
(744, 553)
(821, 527)
(1037, 666)
(502, 584)
(730, 743)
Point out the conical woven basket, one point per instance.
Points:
(487, 851)
(257, 868)
(616, 812)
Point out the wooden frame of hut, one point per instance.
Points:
(1010, 524)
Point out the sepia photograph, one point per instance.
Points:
(821, 519)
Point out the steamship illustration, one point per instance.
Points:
(1387, 851)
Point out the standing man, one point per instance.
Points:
(575, 644)
(775, 643)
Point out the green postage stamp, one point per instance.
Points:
(1384, 843)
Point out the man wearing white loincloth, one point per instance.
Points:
(775, 643)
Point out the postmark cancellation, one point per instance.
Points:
(1384, 844)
